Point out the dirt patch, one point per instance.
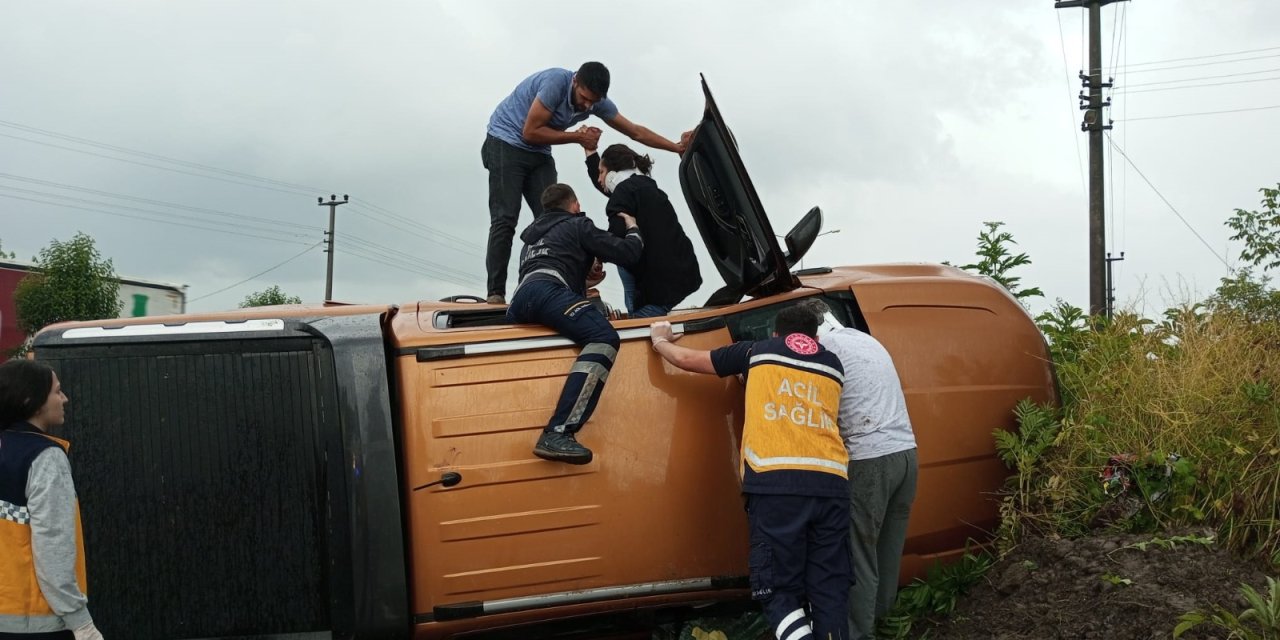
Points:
(1106, 586)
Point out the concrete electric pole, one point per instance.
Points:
(1092, 105)
(333, 207)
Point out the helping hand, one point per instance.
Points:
(588, 137)
(87, 632)
(596, 275)
(660, 332)
(628, 220)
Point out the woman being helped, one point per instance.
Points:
(668, 270)
(42, 592)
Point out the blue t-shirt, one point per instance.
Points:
(552, 87)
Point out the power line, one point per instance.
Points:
(1201, 113)
(1203, 64)
(145, 211)
(1213, 55)
(1168, 204)
(363, 253)
(406, 220)
(174, 205)
(153, 166)
(1066, 75)
(288, 187)
(271, 184)
(441, 269)
(154, 156)
(1217, 77)
(137, 217)
(1201, 86)
(381, 219)
(260, 273)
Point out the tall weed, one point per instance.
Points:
(1190, 404)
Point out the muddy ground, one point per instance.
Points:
(1105, 586)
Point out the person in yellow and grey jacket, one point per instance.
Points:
(794, 474)
(42, 577)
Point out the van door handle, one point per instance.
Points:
(449, 479)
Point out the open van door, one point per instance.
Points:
(729, 215)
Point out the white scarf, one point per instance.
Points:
(615, 178)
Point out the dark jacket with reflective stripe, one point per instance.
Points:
(567, 243)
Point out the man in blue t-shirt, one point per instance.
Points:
(517, 149)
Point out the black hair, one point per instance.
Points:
(24, 388)
(620, 157)
(558, 196)
(797, 318)
(595, 77)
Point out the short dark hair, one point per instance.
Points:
(595, 77)
(558, 196)
(797, 318)
(24, 388)
(620, 157)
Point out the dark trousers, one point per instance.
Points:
(52, 635)
(513, 173)
(550, 303)
(799, 562)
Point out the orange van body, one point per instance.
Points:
(655, 522)
(660, 505)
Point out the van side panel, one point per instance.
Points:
(660, 502)
(967, 353)
(236, 483)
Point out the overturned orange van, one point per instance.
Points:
(348, 471)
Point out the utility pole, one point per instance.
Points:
(1092, 105)
(333, 207)
(1111, 285)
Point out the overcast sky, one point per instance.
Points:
(909, 123)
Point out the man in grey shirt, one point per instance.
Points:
(882, 471)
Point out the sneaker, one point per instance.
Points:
(496, 299)
(561, 447)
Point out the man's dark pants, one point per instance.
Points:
(513, 173)
(552, 304)
(799, 562)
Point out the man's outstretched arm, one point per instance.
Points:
(663, 339)
(643, 134)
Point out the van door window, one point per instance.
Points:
(757, 324)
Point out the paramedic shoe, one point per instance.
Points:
(496, 299)
(561, 447)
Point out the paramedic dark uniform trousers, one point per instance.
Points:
(800, 554)
(795, 478)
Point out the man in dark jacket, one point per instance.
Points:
(560, 248)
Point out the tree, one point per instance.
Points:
(72, 282)
(1245, 292)
(997, 261)
(269, 297)
(1260, 231)
(6, 256)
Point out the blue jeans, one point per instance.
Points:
(629, 298)
(552, 304)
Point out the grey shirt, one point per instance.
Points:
(51, 501)
(873, 409)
